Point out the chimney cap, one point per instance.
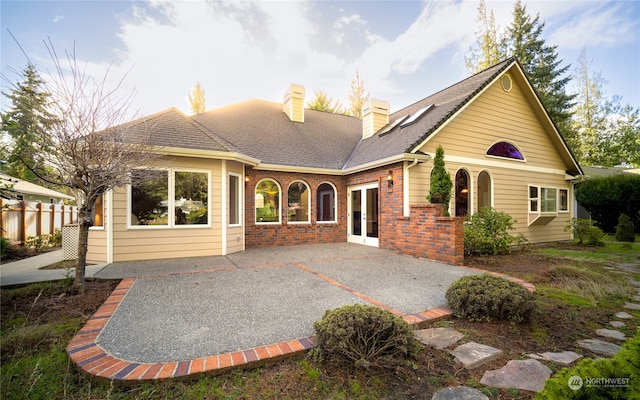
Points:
(376, 105)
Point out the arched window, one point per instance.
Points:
(326, 203)
(462, 193)
(267, 202)
(484, 190)
(299, 206)
(505, 150)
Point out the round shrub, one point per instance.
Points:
(365, 336)
(486, 297)
(625, 229)
(487, 233)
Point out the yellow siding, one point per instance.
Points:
(235, 234)
(97, 249)
(156, 243)
(500, 116)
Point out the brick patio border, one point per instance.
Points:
(91, 359)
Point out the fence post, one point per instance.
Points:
(52, 225)
(1, 217)
(39, 219)
(23, 222)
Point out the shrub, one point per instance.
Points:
(607, 197)
(623, 369)
(488, 233)
(440, 182)
(56, 238)
(4, 245)
(365, 336)
(586, 232)
(625, 229)
(485, 297)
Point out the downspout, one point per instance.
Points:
(405, 187)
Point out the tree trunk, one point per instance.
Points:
(84, 222)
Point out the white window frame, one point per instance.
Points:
(171, 202)
(540, 200)
(335, 203)
(309, 196)
(255, 216)
(238, 205)
(560, 209)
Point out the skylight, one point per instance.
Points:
(416, 115)
(392, 125)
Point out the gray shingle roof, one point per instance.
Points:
(443, 105)
(171, 128)
(260, 129)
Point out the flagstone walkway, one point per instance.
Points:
(530, 374)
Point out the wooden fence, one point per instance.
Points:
(20, 220)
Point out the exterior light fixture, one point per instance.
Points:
(390, 179)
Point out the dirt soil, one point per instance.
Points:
(554, 327)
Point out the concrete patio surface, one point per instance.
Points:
(177, 317)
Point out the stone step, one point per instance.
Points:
(472, 354)
(520, 374)
(563, 357)
(611, 333)
(617, 324)
(599, 346)
(632, 306)
(623, 315)
(440, 338)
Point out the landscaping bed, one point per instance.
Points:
(39, 320)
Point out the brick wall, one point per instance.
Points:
(425, 233)
(284, 234)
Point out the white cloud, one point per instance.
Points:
(596, 26)
(348, 20)
(57, 18)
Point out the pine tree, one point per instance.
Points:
(196, 99)
(621, 141)
(26, 123)
(441, 183)
(540, 63)
(357, 96)
(489, 49)
(589, 118)
(322, 102)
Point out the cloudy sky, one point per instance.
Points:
(238, 50)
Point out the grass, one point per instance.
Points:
(612, 252)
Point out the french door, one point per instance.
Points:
(363, 214)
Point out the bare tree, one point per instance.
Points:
(88, 148)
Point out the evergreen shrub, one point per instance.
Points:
(605, 378)
(365, 336)
(625, 229)
(486, 297)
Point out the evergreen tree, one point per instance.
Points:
(322, 102)
(25, 124)
(589, 118)
(196, 99)
(441, 183)
(620, 141)
(489, 49)
(540, 63)
(357, 96)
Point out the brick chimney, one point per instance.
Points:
(375, 115)
(293, 103)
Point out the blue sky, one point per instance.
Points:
(404, 51)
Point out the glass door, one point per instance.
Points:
(363, 214)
